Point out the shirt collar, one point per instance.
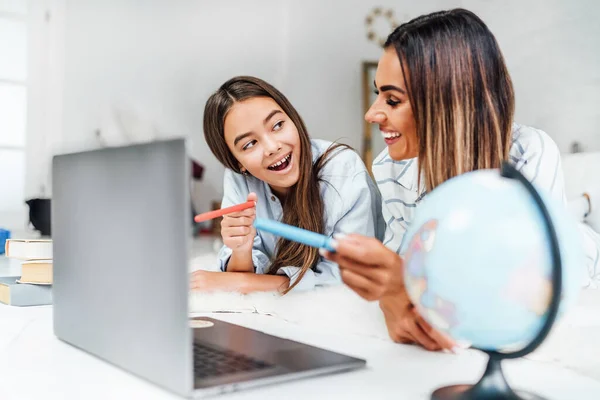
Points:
(404, 172)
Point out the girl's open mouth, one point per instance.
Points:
(282, 164)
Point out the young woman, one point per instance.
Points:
(259, 137)
(445, 106)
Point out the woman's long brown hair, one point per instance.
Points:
(303, 205)
(460, 91)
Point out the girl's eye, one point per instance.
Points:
(249, 145)
(278, 126)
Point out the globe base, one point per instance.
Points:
(467, 392)
(491, 386)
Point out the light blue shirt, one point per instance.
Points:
(533, 153)
(352, 204)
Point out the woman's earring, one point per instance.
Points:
(244, 172)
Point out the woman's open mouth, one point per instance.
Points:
(391, 137)
(282, 164)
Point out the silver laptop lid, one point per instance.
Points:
(119, 214)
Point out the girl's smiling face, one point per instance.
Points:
(265, 141)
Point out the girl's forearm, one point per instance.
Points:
(247, 283)
(240, 262)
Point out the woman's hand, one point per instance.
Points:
(237, 229)
(375, 272)
(405, 325)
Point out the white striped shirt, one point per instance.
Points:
(533, 153)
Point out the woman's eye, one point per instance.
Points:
(278, 126)
(249, 145)
(390, 101)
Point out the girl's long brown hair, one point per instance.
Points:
(460, 92)
(303, 205)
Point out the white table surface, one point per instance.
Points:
(34, 364)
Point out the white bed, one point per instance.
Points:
(574, 342)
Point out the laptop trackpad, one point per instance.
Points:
(307, 358)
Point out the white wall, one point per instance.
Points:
(45, 91)
(149, 66)
(552, 48)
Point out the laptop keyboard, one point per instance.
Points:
(211, 362)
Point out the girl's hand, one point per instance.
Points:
(237, 230)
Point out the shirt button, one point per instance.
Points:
(273, 198)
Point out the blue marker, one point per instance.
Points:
(299, 235)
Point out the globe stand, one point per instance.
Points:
(493, 385)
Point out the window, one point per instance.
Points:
(13, 104)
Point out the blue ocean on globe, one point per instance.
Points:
(478, 262)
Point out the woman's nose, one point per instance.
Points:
(374, 115)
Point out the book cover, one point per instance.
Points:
(23, 294)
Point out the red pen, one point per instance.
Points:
(219, 213)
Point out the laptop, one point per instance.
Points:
(121, 229)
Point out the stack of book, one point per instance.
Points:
(34, 286)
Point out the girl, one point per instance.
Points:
(256, 133)
(445, 106)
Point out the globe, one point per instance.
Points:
(478, 262)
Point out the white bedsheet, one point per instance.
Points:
(574, 342)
